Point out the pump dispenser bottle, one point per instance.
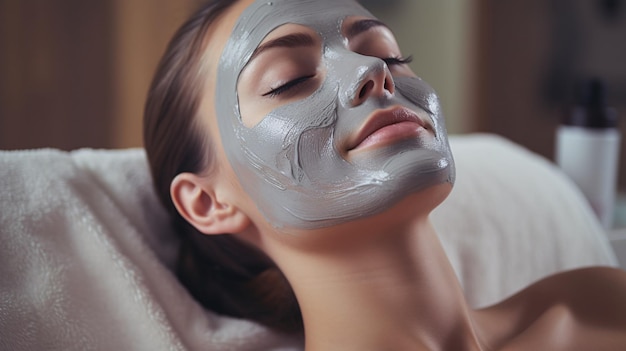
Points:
(587, 149)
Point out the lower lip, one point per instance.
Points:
(391, 133)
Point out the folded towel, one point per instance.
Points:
(86, 251)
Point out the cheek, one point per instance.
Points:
(282, 144)
(420, 93)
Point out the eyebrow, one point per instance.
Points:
(361, 26)
(287, 41)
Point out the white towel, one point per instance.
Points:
(84, 257)
(86, 251)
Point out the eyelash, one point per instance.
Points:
(287, 86)
(390, 61)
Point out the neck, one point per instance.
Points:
(398, 292)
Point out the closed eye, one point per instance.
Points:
(392, 61)
(288, 86)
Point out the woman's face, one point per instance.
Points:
(320, 118)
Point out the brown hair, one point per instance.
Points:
(223, 273)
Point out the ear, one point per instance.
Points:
(196, 200)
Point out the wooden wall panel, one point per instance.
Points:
(75, 73)
(56, 87)
(142, 29)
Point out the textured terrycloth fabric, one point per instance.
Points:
(85, 257)
(86, 251)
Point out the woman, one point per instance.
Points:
(297, 128)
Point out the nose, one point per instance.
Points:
(373, 80)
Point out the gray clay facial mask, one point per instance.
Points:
(290, 163)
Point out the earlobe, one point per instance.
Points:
(196, 201)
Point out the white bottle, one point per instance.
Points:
(587, 149)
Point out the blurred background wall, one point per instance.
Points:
(75, 73)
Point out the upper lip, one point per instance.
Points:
(385, 117)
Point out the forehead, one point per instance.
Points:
(263, 16)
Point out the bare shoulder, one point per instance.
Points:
(587, 305)
(581, 284)
(598, 274)
(594, 294)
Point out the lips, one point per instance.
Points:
(386, 126)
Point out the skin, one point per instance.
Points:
(294, 149)
(383, 281)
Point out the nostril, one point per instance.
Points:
(365, 89)
(389, 85)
